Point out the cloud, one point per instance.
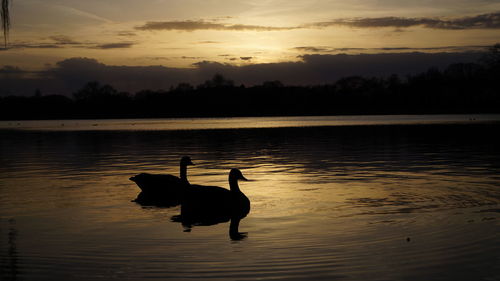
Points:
(31, 46)
(119, 45)
(126, 33)
(484, 21)
(190, 58)
(246, 58)
(312, 49)
(70, 75)
(324, 50)
(79, 13)
(57, 41)
(9, 69)
(47, 15)
(190, 25)
(63, 40)
(154, 58)
(208, 42)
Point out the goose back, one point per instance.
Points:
(163, 189)
(201, 200)
(150, 183)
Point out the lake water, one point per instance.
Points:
(332, 198)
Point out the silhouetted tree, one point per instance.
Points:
(5, 17)
(101, 101)
(94, 91)
(349, 85)
(36, 107)
(460, 88)
(272, 84)
(218, 81)
(492, 58)
(184, 87)
(463, 71)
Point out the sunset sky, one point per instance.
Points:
(189, 33)
(179, 33)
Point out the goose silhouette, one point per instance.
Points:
(164, 188)
(213, 204)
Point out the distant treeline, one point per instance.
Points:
(460, 88)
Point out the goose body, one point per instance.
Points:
(153, 183)
(204, 203)
(163, 186)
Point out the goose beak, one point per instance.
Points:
(243, 178)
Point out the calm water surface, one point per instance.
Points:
(408, 198)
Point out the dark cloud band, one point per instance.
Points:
(327, 50)
(70, 75)
(120, 45)
(484, 21)
(204, 25)
(66, 42)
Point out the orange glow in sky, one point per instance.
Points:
(180, 33)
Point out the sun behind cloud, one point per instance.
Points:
(180, 33)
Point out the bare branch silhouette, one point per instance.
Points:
(5, 15)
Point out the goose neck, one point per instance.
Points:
(233, 184)
(183, 173)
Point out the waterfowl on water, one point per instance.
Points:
(164, 184)
(202, 202)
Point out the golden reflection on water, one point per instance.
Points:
(327, 203)
(242, 122)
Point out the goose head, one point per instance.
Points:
(186, 161)
(235, 175)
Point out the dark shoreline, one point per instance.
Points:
(126, 117)
(463, 88)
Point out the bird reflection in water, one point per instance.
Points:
(189, 221)
(209, 205)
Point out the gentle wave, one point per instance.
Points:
(399, 203)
